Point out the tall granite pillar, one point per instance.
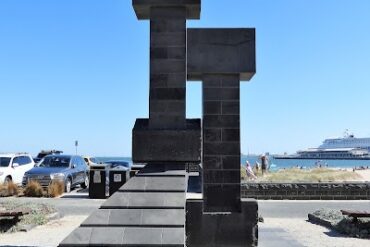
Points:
(167, 67)
(221, 143)
(221, 58)
(167, 136)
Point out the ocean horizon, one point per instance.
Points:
(277, 164)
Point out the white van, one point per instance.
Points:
(13, 166)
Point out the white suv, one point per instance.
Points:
(13, 166)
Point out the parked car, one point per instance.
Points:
(70, 169)
(13, 166)
(118, 164)
(43, 153)
(90, 160)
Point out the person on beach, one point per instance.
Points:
(249, 171)
(263, 164)
(256, 167)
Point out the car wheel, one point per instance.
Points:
(7, 180)
(68, 185)
(85, 184)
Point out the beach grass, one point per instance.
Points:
(307, 175)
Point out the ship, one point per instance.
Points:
(348, 147)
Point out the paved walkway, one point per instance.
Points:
(273, 236)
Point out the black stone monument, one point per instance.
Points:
(151, 209)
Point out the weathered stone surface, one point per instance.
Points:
(166, 145)
(136, 217)
(220, 229)
(171, 200)
(221, 51)
(143, 7)
(155, 184)
(221, 143)
(125, 236)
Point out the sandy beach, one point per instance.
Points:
(365, 174)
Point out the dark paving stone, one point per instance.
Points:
(136, 217)
(271, 237)
(103, 235)
(143, 236)
(163, 217)
(145, 200)
(163, 170)
(155, 184)
(80, 236)
(173, 236)
(99, 216)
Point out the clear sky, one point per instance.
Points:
(78, 70)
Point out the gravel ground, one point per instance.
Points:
(309, 234)
(47, 235)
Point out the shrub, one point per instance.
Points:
(3, 190)
(55, 188)
(10, 189)
(33, 189)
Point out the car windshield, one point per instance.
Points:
(118, 163)
(55, 161)
(4, 161)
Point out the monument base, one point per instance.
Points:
(166, 145)
(221, 229)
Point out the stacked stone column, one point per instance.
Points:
(221, 143)
(167, 136)
(167, 67)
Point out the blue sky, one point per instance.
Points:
(78, 70)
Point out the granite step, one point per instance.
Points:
(125, 236)
(155, 184)
(149, 210)
(136, 217)
(145, 200)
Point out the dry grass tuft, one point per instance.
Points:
(55, 188)
(13, 189)
(33, 189)
(10, 189)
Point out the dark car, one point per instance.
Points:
(70, 169)
(43, 153)
(118, 164)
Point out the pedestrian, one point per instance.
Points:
(263, 164)
(249, 171)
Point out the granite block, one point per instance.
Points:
(98, 217)
(142, 236)
(218, 51)
(143, 8)
(155, 184)
(230, 107)
(165, 26)
(145, 200)
(175, 80)
(168, 94)
(221, 94)
(221, 121)
(212, 135)
(164, 217)
(166, 145)
(103, 235)
(164, 39)
(212, 108)
(173, 236)
(79, 237)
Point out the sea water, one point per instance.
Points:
(277, 164)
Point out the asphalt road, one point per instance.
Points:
(300, 209)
